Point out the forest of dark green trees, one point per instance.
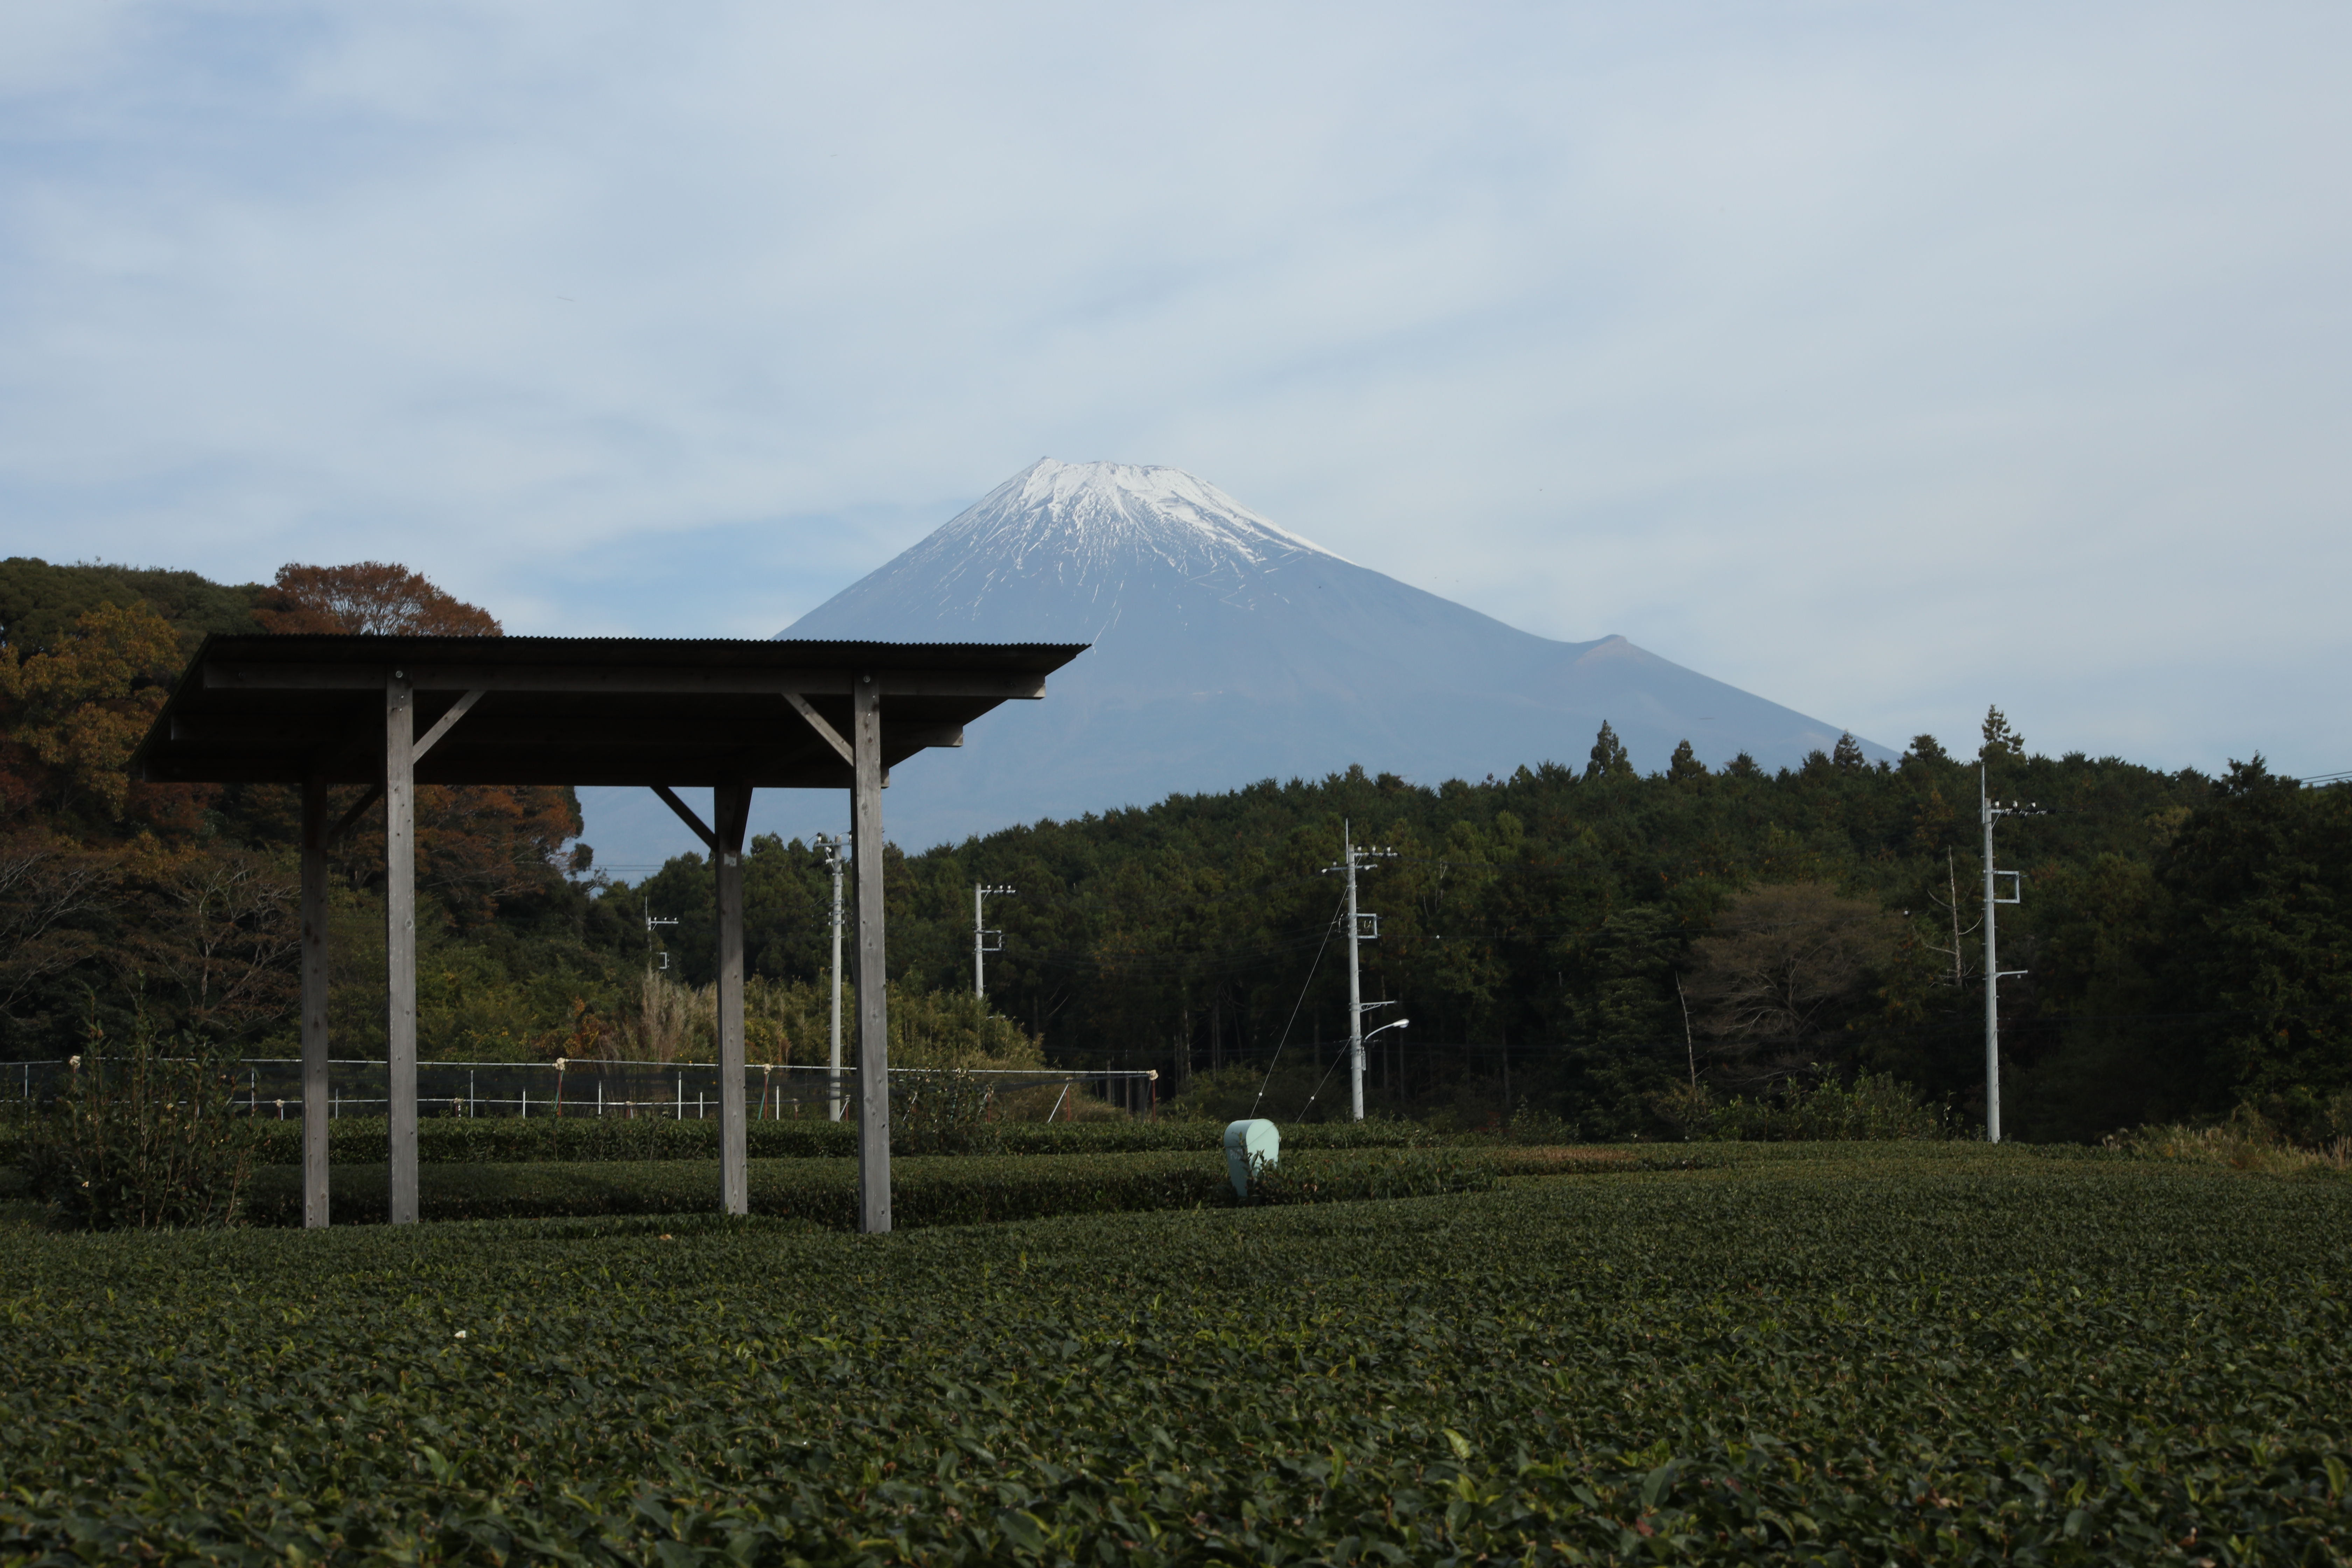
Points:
(1579, 939)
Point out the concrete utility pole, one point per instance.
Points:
(652, 921)
(1357, 1007)
(832, 848)
(1994, 974)
(1355, 986)
(980, 947)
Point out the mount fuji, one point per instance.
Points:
(1227, 650)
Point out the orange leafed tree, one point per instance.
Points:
(370, 597)
(475, 844)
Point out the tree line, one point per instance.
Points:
(1583, 942)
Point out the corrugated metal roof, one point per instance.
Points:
(677, 711)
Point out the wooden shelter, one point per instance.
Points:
(392, 712)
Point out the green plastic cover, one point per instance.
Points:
(1248, 1142)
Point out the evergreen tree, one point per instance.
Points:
(1609, 758)
(1999, 739)
(2260, 942)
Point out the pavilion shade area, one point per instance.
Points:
(393, 713)
(567, 710)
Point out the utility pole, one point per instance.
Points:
(980, 947)
(1991, 811)
(1357, 1006)
(651, 922)
(1355, 984)
(832, 848)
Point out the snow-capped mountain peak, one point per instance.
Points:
(1102, 507)
(1064, 550)
(1228, 650)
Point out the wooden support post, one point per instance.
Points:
(873, 968)
(731, 808)
(315, 1088)
(400, 937)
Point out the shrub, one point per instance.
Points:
(1876, 1106)
(1323, 1177)
(1533, 1126)
(943, 1113)
(141, 1140)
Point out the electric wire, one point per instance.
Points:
(1276, 1059)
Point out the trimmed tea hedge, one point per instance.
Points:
(959, 1189)
(1867, 1355)
(508, 1138)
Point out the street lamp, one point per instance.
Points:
(1374, 1035)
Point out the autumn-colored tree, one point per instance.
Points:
(73, 715)
(478, 844)
(369, 596)
(475, 844)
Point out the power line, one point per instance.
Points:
(1294, 1012)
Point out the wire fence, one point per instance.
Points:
(272, 1086)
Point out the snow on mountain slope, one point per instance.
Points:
(1228, 650)
(1055, 549)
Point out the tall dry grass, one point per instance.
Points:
(2247, 1141)
(789, 1023)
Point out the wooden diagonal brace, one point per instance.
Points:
(456, 711)
(351, 818)
(816, 721)
(686, 814)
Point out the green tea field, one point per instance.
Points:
(1849, 1355)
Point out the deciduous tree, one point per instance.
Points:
(50, 893)
(1786, 966)
(476, 845)
(369, 596)
(219, 933)
(74, 713)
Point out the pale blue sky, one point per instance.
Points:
(1885, 360)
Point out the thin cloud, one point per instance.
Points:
(1886, 361)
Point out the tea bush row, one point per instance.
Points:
(1872, 1354)
(506, 1139)
(925, 1190)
